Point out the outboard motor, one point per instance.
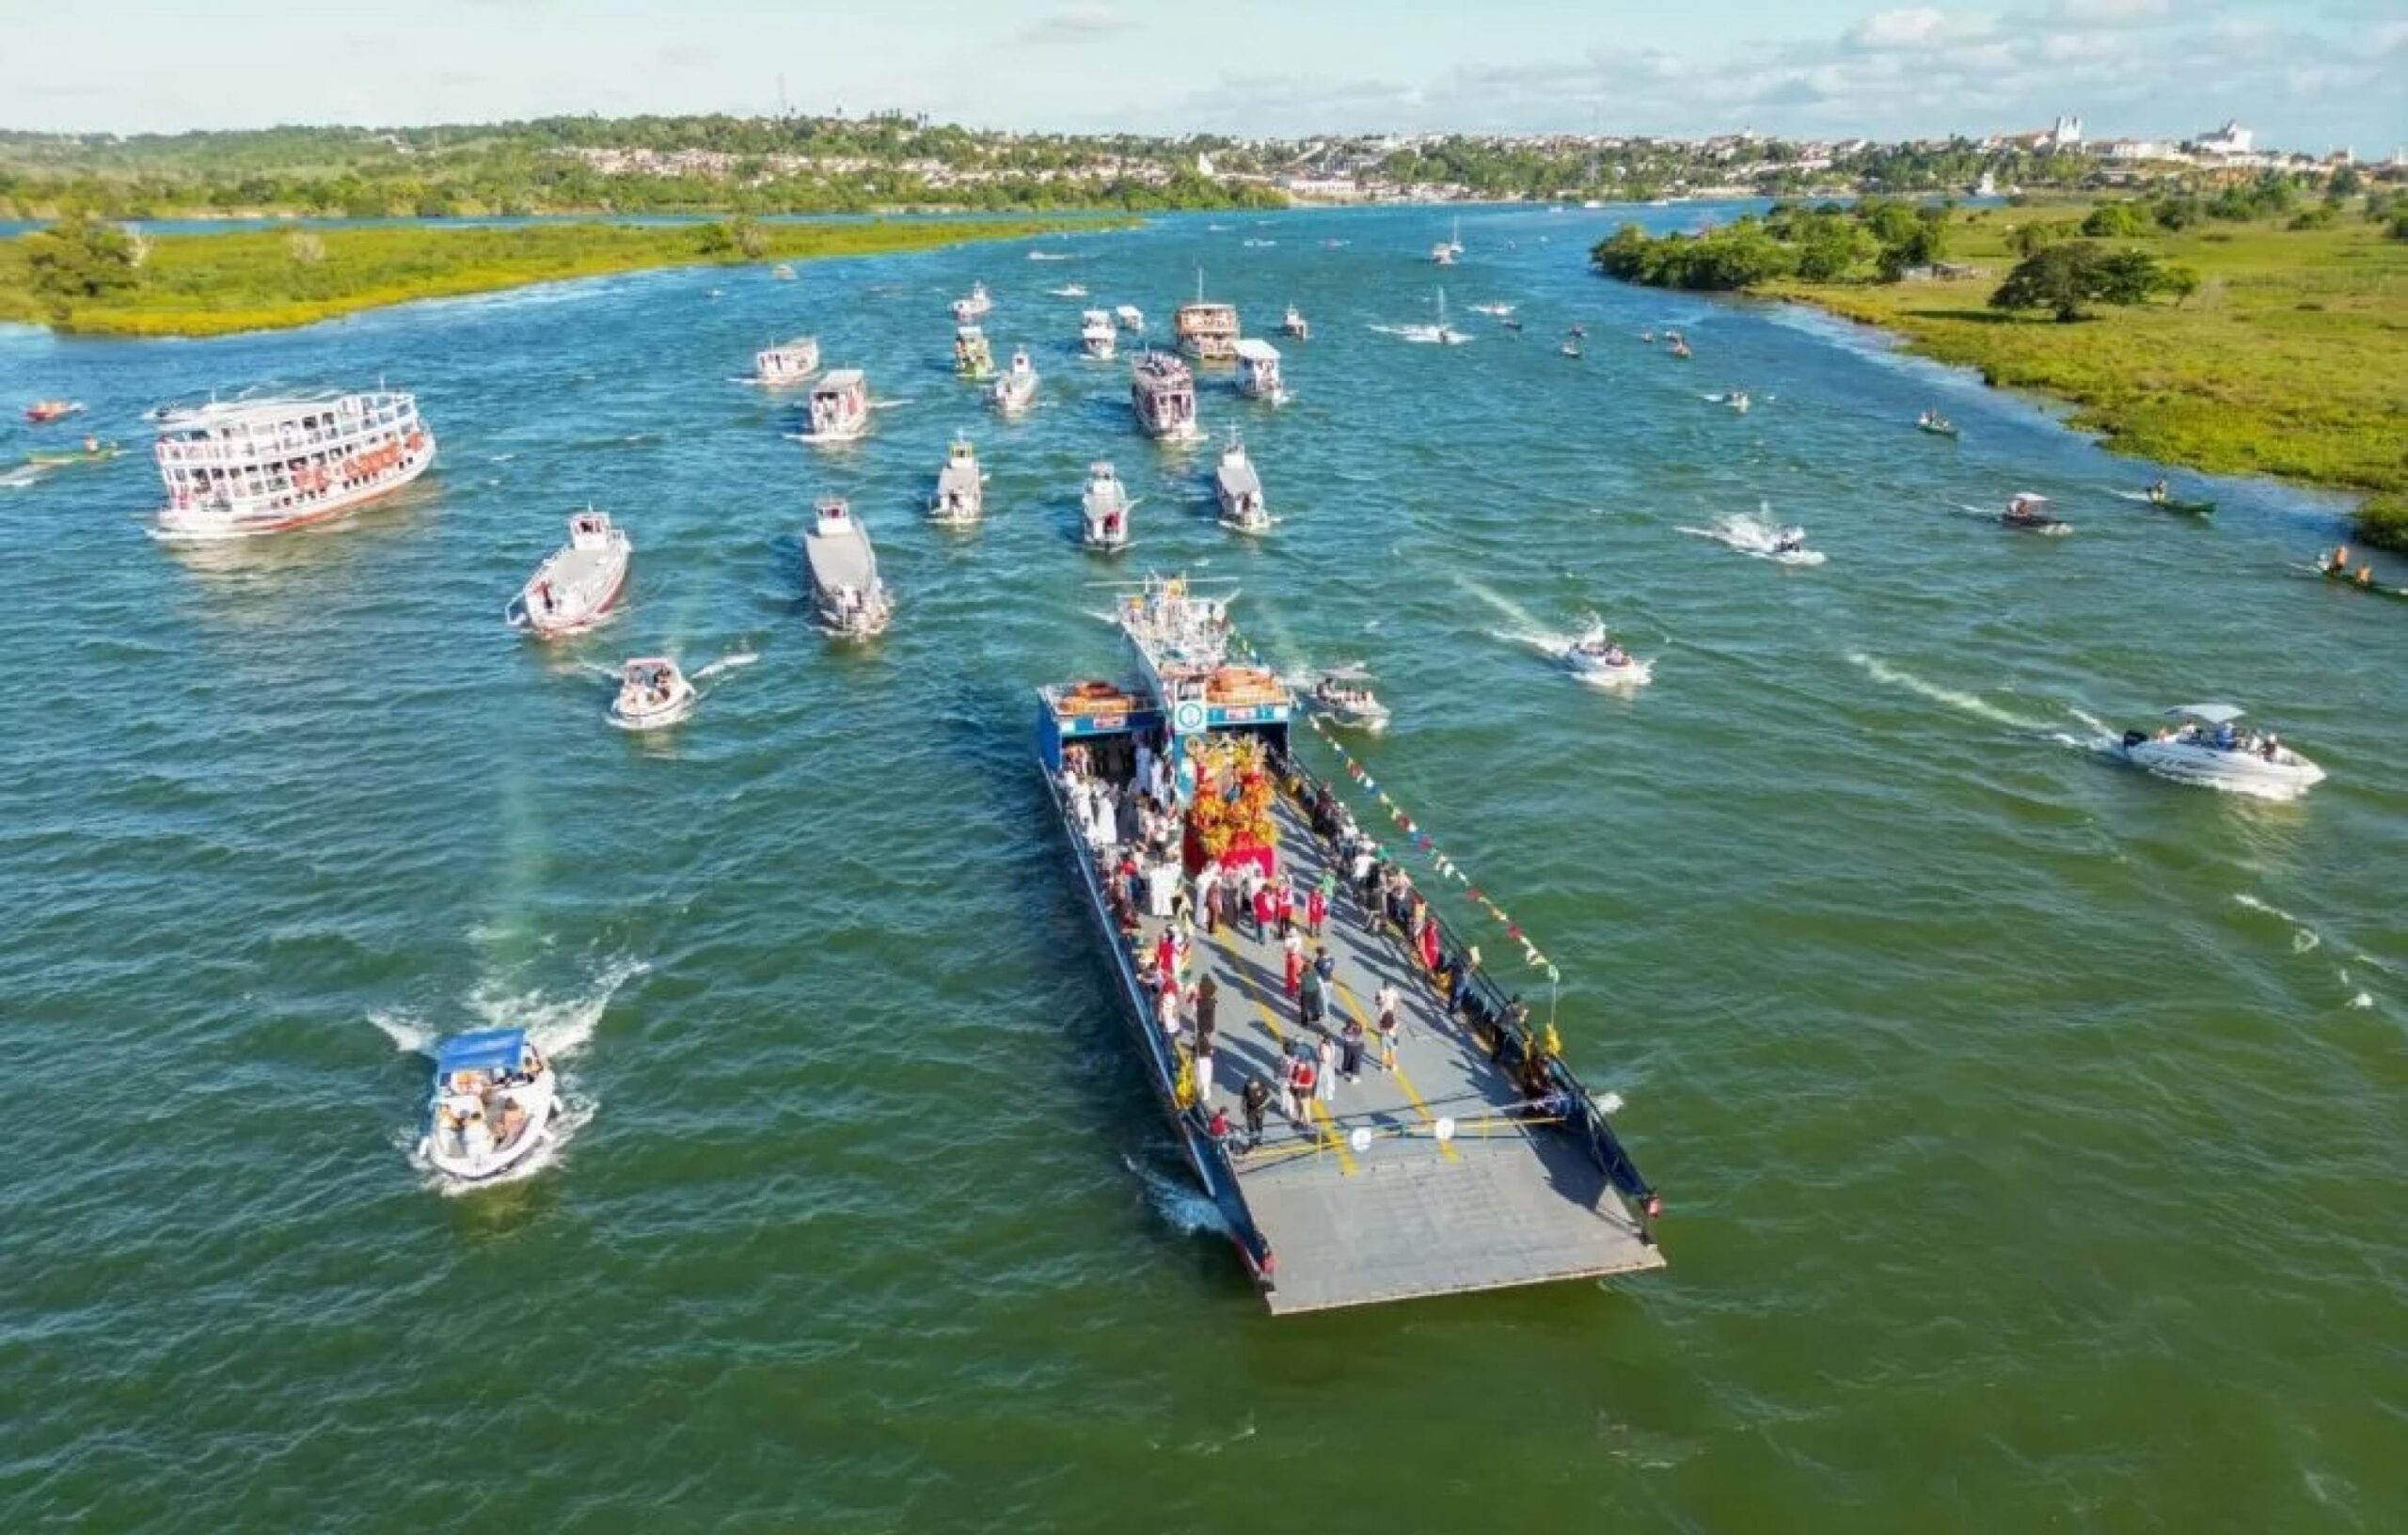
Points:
(2133, 738)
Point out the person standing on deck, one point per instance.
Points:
(1208, 1011)
(1295, 963)
(1166, 957)
(1203, 1068)
(1259, 900)
(1325, 967)
(1312, 1000)
(1166, 1008)
(1208, 894)
(1316, 911)
(1350, 1049)
(1254, 1101)
(1385, 1002)
(1284, 898)
(1327, 1053)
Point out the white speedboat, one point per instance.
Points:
(1294, 324)
(1103, 511)
(1761, 538)
(653, 694)
(579, 584)
(1596, 658)
(1348, 699)
(494, 1094)
(1017, 389)
(1129, 317)
(1068, 289)
(1096, 337)
(1495, 312)
(2209, 748)
(961, 498)
(1238, 490)
(976, 304)
(852, 603)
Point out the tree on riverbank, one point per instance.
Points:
(78, 260)
(2063, 277)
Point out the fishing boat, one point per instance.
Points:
(788, 362)
(1096, 337)
(1103, 511)
(1294, 324)
(2023, 512)
(1594, 656)
(839, 409)
(493, 1098)
(1239, 491)
(1016, 391)
(972, 356)
(960, 497)
(1346, 698)
(43, 412)
(1163, 393)
(1258, 372)
(1935, 423)
(852, 603)
(1130, 317)
(242, 467)
(2209, 748)
(1555, 1198)
(973, 306)
(579, 584)
(1736, 400)
(653, 694)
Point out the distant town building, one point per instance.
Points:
(2230, 140)
(2129, 150)
(2065, 134)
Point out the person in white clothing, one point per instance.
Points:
(1203, 1068)
(1328, 1084)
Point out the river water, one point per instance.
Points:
(2030, 1128)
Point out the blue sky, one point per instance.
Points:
(2309, 74)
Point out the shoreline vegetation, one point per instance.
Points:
(2253, 331)
(84, 277)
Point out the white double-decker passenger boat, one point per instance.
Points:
(238, 467)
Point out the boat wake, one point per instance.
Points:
(1418, 335)
(726, 664)
(1967, 704)
(561, 1027)
(1185, 1206)
(1758, 536)
(2305, 939)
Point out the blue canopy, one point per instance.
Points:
(487, 1050)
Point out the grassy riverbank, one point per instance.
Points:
(215, 283)
(2291, 359)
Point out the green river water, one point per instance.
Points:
(2031, 1129)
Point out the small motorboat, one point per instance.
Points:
(2336, 567)
(1935, 423)
(781, 271)
(1570, 347)
(1736, 400)
(852, 602)
(1594, 657)
(93, 451)
(43, 412)
(494, 1094)
(653, 694)
(2162, 497)
(975, 304)
(1017, 389)
(2023, 512)
(1647, 337)
(1238, 490)
(1294, 324)
(1098, 340)
(1761, 538)
(1577, 329)
(1346, 698)
(1068, 289)
(1512, 324)
(2209, 748)
(971, 358)
(961, 498)
(1103, 511)
(579, 584)
(1129, 317)
(1680, 349)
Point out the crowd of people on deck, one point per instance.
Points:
(1135, 832)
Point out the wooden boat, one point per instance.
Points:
(579, 584)
(42, 412)
(93, 451)
(1935, 423)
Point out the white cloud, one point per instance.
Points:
(1917, 27)
(1073, 24)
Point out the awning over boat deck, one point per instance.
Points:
(1253, 350)
(487, 1050)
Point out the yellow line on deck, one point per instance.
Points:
(1326, 1128)
(1355, 1005)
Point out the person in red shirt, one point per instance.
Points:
(1263, 907)
(1287, 902)
(1295, 964)
(1316, 911)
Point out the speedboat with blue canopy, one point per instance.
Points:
(2211, 745)
(493, 1098)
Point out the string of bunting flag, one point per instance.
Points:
(1422, 843)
